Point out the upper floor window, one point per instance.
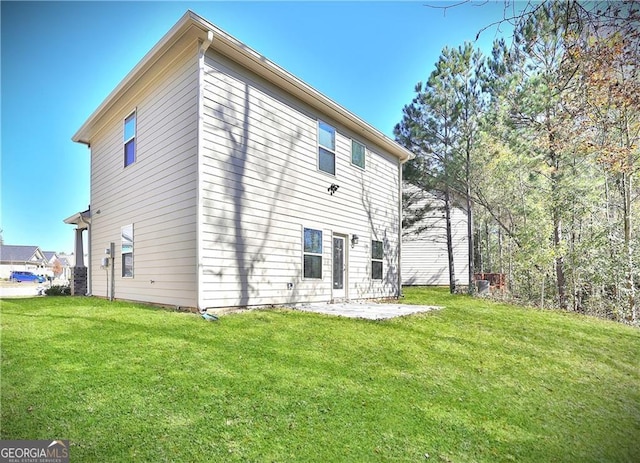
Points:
(357, 154)
(326, 148)
(377, 254)
(130, 139)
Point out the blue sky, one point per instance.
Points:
(59, 60)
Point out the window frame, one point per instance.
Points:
(377, 260)
(330, 150)
(132, 139)
(364, 154)
(312, 253)
(129, 251)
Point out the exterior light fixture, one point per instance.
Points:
(333, 188)
(354, 240)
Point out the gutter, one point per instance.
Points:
(242, 54)
(237, 51)
(83, 134)
(400, 164)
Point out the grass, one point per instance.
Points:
(476, 381)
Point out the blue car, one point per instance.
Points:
(26, 276)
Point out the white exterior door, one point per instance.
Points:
(339, 267)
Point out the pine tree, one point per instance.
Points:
(440, 126)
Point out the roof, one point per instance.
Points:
(81, 219)
(49, 255)
(417, 197)
(235, 50)
(14, 253)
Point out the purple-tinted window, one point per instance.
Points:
(129, 152)
(130, 139)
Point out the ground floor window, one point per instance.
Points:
(312, 253)
(127, 251)
(376, 260)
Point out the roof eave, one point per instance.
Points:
(84, 132)
(269, 70)
(244, 55)
(81, 219)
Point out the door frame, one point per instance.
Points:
(344, 292)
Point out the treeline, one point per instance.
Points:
(539, 142)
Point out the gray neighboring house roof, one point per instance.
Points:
(14, 253)
(49, 255)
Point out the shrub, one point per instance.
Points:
(58, 290)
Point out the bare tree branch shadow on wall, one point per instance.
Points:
(391, 254)
(421, 213)
(248, 167)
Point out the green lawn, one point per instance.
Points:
(476, 381)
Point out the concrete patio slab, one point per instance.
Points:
(368, 310)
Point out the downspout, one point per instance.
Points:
(402, 163)
(202, 50)
(89, 272)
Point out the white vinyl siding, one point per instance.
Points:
(261, 187)
(425, 260)
(158, 192)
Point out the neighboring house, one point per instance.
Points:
(223, 180)
(70, 259)
(425, 260)
(21, 258)
(53, 257)
(66, 262)
(50, 257)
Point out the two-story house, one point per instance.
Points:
(218, 179)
